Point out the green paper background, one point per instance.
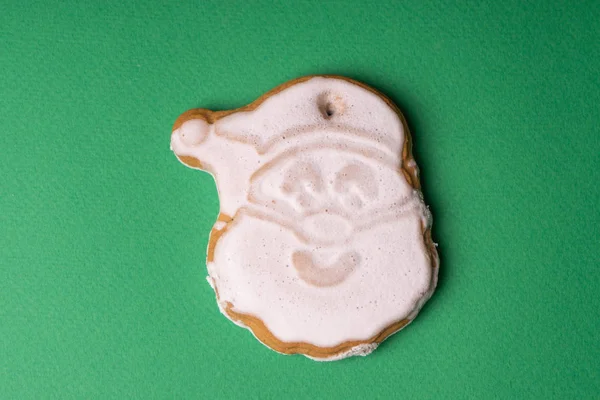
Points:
(103, 233)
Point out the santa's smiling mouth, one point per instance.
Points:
(324, 275)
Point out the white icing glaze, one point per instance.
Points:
(326, 245)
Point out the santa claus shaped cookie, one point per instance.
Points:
(322, 246)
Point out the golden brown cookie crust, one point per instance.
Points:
(409, 170)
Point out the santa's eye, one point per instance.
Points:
(302, 176)
(352, 202)
(357, 183)
(305, 201)
(303, 182)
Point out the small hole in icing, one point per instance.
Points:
(330, 105)
(329, 111)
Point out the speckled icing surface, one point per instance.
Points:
(321, 236)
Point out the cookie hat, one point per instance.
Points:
(309, 108)
(323, 110)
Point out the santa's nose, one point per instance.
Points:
(326, 228)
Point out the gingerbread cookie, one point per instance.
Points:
(322, 246)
